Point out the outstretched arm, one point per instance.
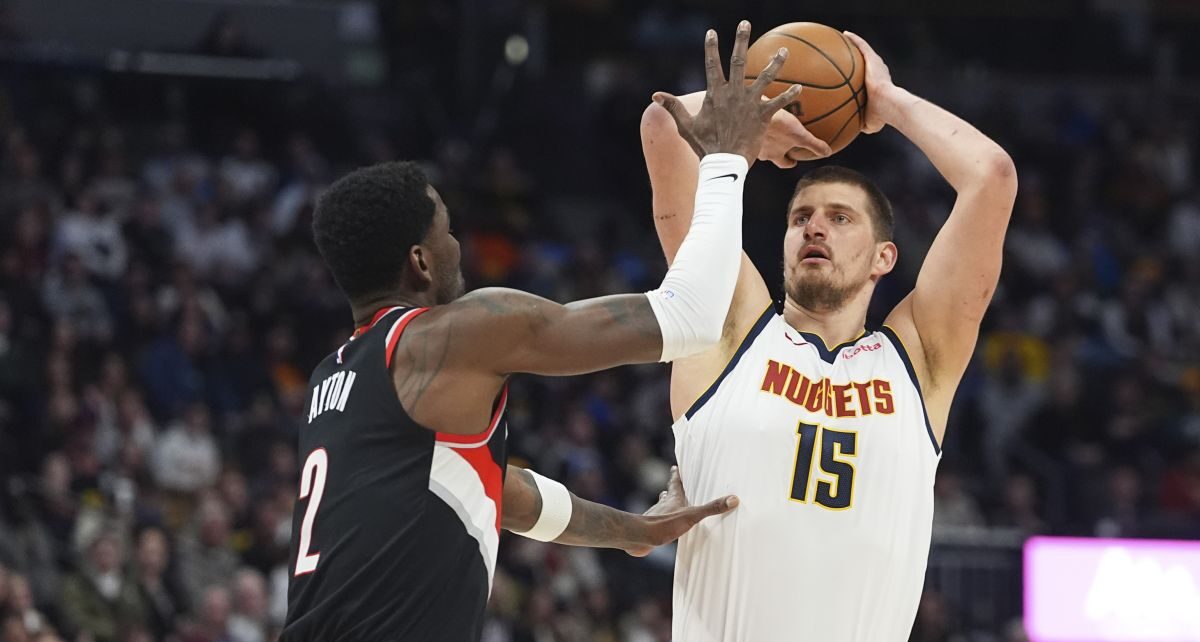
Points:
(504, 331)
(956, 282)
(484, 337)
(599, 526)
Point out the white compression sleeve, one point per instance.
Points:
(693, 300)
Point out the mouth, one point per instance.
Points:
(814, 255)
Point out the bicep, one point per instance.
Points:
(507, 331)
(960, 274)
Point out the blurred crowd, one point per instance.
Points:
(162, 303)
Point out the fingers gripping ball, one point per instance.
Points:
(831, 70)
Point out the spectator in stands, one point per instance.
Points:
(113, 187)
(212, 625)
(1122, 513)
(20, 604)
(953, 505)
(1139, 321)
(94, 236)
(71, 297)
(248, 623)
(205, 557)
(186, 458)
(246, 174)
(159, 593)
(22, 184)
(1020, 506)
(130, 425)
(101, 599)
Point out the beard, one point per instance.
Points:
(817, 291)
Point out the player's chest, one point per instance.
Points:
(781, 378)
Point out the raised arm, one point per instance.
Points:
(673, 170)
(672, 165)
(956, 282)
(599, 526)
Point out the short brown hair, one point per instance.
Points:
(882, 219)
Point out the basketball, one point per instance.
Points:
(832, 71)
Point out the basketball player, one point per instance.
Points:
(829, 432)
(405, 485)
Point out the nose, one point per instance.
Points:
(815, 228)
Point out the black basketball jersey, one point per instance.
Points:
(395, 533)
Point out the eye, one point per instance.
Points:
(842, 218)
(801, 219)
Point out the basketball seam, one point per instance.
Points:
(862, 106)
(806, 123)
(842, 128)
(804, 84)
(845, 78)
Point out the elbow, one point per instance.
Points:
(1000, 170)
(995, 174)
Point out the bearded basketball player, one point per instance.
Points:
(828, 431)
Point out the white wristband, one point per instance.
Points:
(556, 510)
(693, 301)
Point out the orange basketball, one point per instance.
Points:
(833, 104)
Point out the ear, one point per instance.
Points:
(420, 267)
(886, 255)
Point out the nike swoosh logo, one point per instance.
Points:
(733, 177)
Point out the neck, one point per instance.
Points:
(366, 308)
(835, 327)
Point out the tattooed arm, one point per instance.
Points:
(599, 526)
(508, 331)
(454, 358)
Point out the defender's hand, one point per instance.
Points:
(733, 118)
(881, 91)
(671, 517)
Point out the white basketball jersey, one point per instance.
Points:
(833, 458)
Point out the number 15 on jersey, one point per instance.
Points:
(838, 449)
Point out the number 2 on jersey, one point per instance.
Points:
(312, 485)
(834, 495)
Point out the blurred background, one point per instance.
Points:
(162, 303)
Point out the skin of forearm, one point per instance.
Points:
(598, 526)
(964, 155)
(592, 524)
